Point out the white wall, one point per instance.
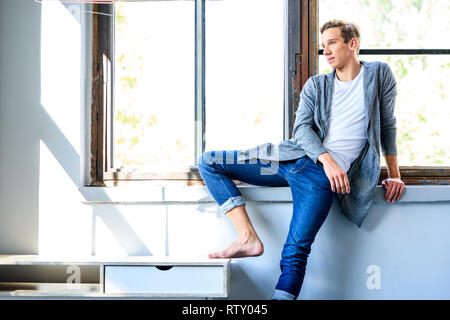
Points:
(44, 208)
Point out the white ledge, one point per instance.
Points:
(200, 194)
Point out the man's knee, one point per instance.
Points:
(207, 158)
(211, 157)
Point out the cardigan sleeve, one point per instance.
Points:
(303, 131)
(388, 129)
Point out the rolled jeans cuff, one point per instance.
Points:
(231, 203)
(282, 295)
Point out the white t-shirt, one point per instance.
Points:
(347, 134)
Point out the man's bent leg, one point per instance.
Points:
(217, 169)
(312, 199)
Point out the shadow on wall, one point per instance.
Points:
(25, 122)
(243, 286)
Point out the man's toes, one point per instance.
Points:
(215, 255)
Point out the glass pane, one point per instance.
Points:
(244, 73)
(154, 85)
(395, 24)
(422, 110)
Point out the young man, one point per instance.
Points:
(343, 119)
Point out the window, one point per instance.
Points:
(181, 77)
(172, 79)
(154, 86)
(244, 80)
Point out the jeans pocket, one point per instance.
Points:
(298, 169)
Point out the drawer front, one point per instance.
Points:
(178, 280)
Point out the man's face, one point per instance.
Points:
(336, 51)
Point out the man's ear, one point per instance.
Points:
(354, 43)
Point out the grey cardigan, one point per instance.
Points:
(311, 125)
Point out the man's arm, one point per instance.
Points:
(303, 131)
(393, 184)
(392, 166)
(388, 127)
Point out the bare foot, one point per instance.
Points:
(241, 248)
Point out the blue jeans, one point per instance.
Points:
(311, 196)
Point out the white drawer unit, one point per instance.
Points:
(132, 276)
(176, 280)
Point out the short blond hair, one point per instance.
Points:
(349, 30)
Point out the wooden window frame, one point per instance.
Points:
(303, 53)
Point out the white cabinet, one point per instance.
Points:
(131, 276)
(176, 280)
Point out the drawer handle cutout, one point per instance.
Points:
(164, 268)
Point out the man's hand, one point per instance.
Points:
(394, 189)
(337, 176)
(394, 185)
